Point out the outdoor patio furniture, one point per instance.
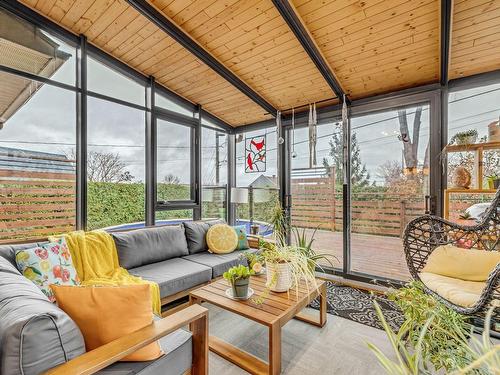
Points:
(276, 310)
(424, 234)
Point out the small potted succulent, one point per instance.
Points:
(493, 181)
(239, 278)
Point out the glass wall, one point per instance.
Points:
(316, 189)
(257, 184)
(473, 129)
(213, 173)
(115, 164)
(37, 164)
(174, 162)
(389, 182)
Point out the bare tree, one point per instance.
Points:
(391, 171)
(410, 144)
(106, 167)
(171, 179)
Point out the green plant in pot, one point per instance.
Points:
(466, 137)
(239, 278)
(493, 181)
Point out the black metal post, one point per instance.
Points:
(346, 196)
(81, 135)
(231, 177)
(150, 135)
(197, 212)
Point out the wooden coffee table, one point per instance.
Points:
(276, 310)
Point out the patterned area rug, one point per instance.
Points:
(357, 305)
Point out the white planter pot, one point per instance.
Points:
(279, 277)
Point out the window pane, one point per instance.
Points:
(116, 164)
(261, 187)
(37, 168)
(174, 162)
(173, 217)
(390, 178)
(317, 203)
(476, 111)
(214, 173)
(162, 102)
(29, 49)
(106, 81)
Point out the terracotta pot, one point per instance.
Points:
(279, 277)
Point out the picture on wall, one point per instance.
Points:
(255, 154)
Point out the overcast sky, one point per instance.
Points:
(47, 123)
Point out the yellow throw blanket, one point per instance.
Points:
(96, 262)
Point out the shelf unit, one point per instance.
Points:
(478, 149)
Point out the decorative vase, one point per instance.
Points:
(461, 178)
(240, 287)
(279, 277)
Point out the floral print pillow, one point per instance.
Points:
(48, 264)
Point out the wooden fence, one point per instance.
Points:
(36, 203)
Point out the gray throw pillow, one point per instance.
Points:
(150, 245)
(196, 234)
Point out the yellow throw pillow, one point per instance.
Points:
(106, 313)
(221, 239)
(464, 264)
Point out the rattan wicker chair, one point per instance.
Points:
(424, 234)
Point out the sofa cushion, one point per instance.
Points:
(35, 335)
(174, 275)
(219, 263)
(177, 360)
(48, 264)
(149, 245)
(9, 251)
(106, 313)
(196, 234)
(460, 292)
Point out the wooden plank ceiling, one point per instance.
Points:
(372, 46)
(376, 46)
(475, 42)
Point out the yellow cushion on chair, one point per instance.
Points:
(460, 292)
(464, 264)
(106, 313)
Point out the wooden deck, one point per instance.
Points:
(380, 256)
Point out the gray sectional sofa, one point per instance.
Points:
(35, 335)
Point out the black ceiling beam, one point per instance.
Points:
(446, 6)
(291, 18)
(188, 43)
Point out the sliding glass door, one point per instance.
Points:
(390, 168)
(316, 189)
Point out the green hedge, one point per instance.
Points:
(111, 203)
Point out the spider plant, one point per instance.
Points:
(435, 338)
(304, 243)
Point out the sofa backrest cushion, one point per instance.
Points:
(35, 335)
(196, 234)
(150, 245)
(9, 251)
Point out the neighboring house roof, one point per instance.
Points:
(26, 160)
(26, 48)
(265, 182)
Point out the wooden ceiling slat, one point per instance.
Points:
(116, 27)
(77, 10)
(475, 37)
(60, 8)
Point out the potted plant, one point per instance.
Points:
(466, 137)
(239, 278)
(493, 181)
(255, 262)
